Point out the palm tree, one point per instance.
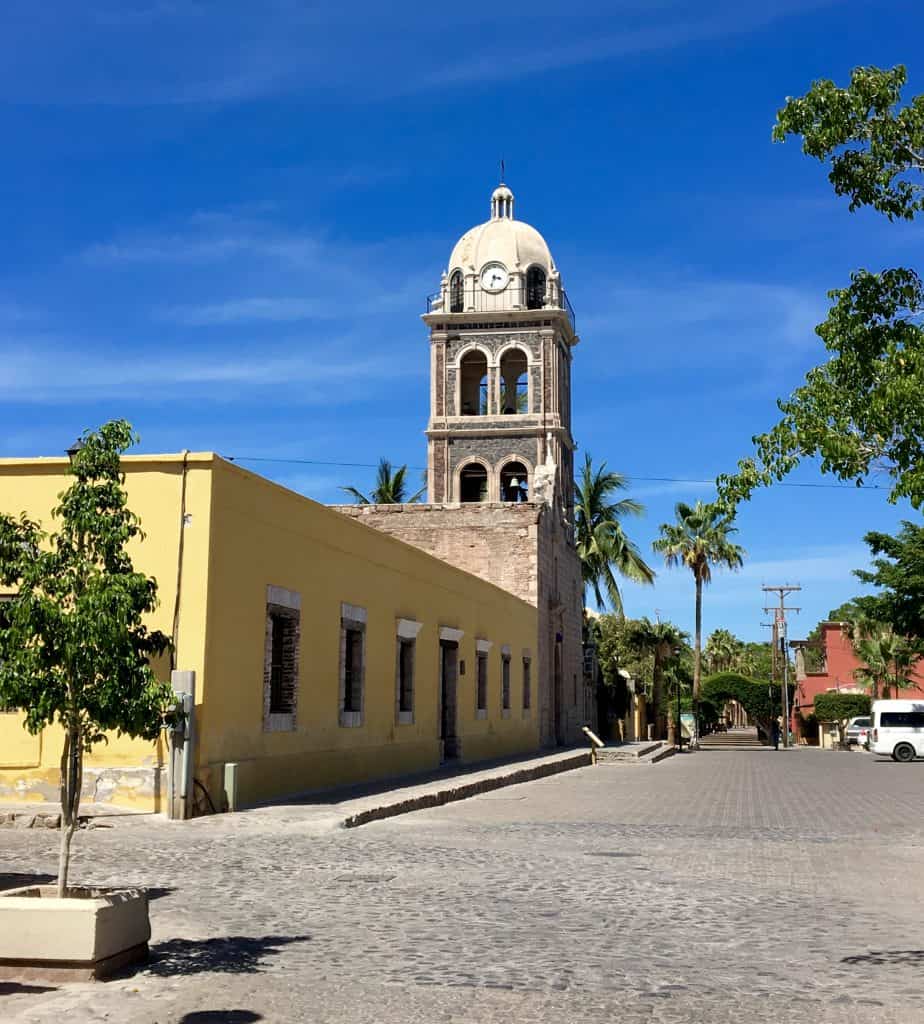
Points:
(699, 540)
(390, 488)
(887, 658)
(723, 651)
(602, 545)
(658, 639)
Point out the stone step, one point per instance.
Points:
(627, 753)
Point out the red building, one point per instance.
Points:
(839, 665)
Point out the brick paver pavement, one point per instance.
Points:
(721, 886)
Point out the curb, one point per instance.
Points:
(465, 790)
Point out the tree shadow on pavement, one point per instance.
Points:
(17, 879)
(889, 957)
(15, 988)
(232, 954)
(220, 1017)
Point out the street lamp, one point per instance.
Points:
(676, 654)
(75, 448)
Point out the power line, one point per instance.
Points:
(631, 477)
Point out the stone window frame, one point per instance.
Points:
(456, 479)
(502, 464)
(467, 350)
(531, 361)
(406, 631)
(527, 679)
(482, 658)
(505, 681)
(353, 618)
(281, 604)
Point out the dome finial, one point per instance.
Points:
(502, 202)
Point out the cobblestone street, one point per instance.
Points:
(723, 886)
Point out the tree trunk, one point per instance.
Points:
(698, 639)
(657, 696)
(71, 783)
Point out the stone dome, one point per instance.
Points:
(514, 243)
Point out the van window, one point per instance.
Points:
(901, 720)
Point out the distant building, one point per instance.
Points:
(839, 663)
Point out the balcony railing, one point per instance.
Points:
(473, 299)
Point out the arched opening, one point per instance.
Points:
(473, 373)
(535, 288)
(514, 372)
(455, 292)
(473, 483)
(514, 482)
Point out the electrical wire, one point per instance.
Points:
(631, 477)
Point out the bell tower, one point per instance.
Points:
(501, 340)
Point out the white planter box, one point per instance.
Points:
(90, 934)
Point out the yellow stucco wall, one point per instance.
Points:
(241, 534)
(119, 771)
(265, 535)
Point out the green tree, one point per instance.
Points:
(861, 410)
(723, 650)
(73, 647)
(899, 572)
(888, 658)
(390, 487)
(602, 545)
(762, 701)
(699, 540)
(840, 708)
(658, 640)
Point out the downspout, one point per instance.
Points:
(175, 634)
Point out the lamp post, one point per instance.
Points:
(676, 654)
(75, 448)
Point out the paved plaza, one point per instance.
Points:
(722, 886)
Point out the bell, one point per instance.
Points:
(514, 482)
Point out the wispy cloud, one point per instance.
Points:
(236, 311)
(203, 53)
(59, 375)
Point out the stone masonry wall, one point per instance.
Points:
(523, 549)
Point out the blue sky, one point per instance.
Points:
(221, 220)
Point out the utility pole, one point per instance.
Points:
(779, 637)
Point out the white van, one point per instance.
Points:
(898, 729)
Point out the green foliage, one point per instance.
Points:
(872, 143)
(761, 700)
(602, 545)
(840, 707)
(73, 647)
(899, 572)
(659, 641)
(390, 487)
(862, 409)
(887, 658)
(698, 540)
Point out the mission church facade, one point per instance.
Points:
(325, 653)
(500, 453)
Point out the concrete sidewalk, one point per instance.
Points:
(345, 807)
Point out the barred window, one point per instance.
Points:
(352, 664)
(280, 659)
(527, 683)
(505, 682)
(482, 681)
(406, 651)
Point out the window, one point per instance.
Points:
(352, 664)
(407, 630)
(473, 380)
(901, 720)
(527, 683)
(482, 696)
(280, 659)
(455, 292)
(473, 483)
(514, 382)
(514, 482)
(535, 288)
(505, 682)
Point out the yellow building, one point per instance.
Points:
(325, 652)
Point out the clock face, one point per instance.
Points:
(494, 277)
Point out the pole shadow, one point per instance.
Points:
(888, 958)
(221, 1017)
